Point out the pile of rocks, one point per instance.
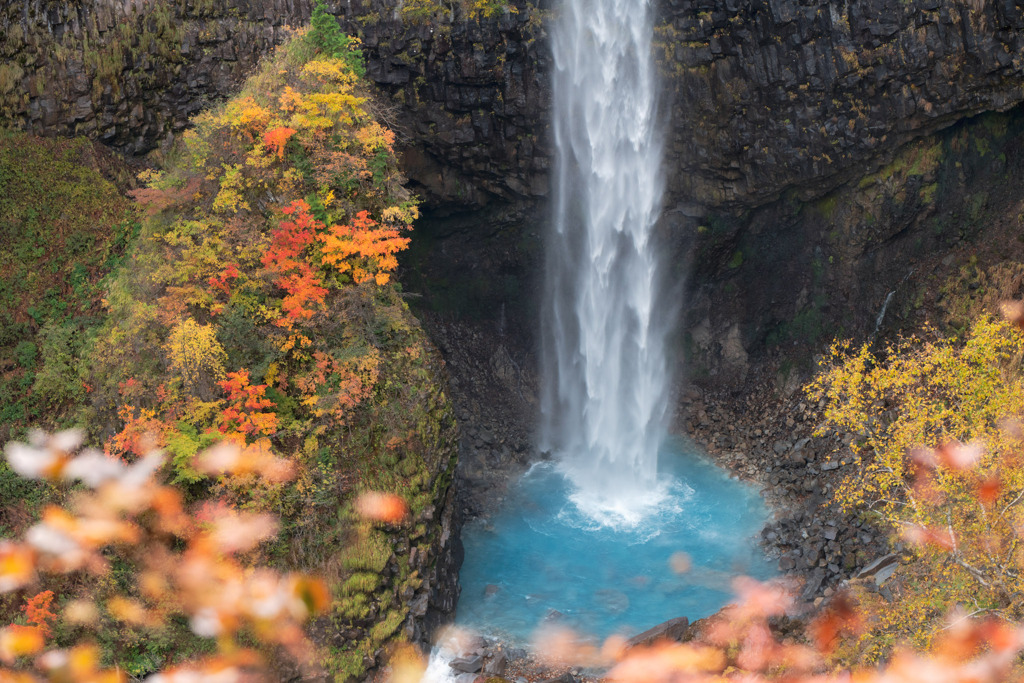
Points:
(486, 660)
(781, 445)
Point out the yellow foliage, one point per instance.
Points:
(290, 99)
(913, 409)
(400, 216)
(194, 353)
(330, 72)
(197, 147)
(924, 394)
(230, 199)
(375, 137)
(246, 117)
(326, 110)
(260, 157)
(291, 181)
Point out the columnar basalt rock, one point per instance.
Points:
(472, 97)
(773, 94)
(130, 73)
(761, 96)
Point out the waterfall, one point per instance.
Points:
(603, 335)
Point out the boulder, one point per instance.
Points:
(881, 569)
(496, 665)
(673, 629)
(470, 665)
(814, 581)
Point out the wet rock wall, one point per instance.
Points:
(773, 94)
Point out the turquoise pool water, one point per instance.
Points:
(541, 559)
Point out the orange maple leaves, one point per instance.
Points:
(20, 640)
(364, 249)
(37, 612)
(277, 138)
(245, 414)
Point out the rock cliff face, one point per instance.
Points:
(812, 158)
(770, 94)
(472, 98)
(130, 73)
(762, 95)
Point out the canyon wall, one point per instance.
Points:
(770, 107)
(130, 73)
(761, 96)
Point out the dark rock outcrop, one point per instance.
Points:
(130, 74)
(761, 95)
(673, 629)
(772, 94)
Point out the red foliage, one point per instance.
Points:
(221, 281)
(303, 286)
(291, 237)
(283, 258)
(143, 431)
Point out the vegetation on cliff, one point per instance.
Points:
(63, 227)
(909, 406)
(256, 308)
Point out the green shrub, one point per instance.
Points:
(327, 37)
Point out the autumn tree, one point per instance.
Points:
(195, 355)
(949, 410)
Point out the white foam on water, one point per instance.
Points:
(438, 669)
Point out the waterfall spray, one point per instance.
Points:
(605, 372)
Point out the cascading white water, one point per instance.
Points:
(605, 373)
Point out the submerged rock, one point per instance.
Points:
(612, 600)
